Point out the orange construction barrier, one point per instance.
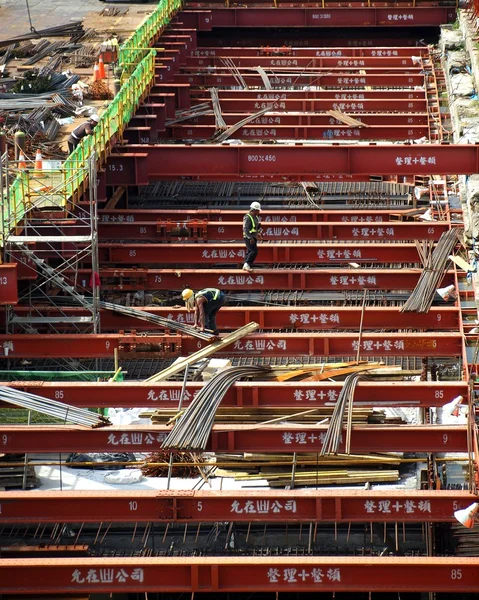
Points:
(101, 67)
(38, 161)
(22, 162)
(96, 72)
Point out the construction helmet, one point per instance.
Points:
(186, 294)
(255, 206)
(95, 118)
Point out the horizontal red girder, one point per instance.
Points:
(341, 344)
(313, 132)
(8, 284)
(285, 79)
(284, 67)
(304, 62)
(232, 230)
(272, 344)
(345, 52)
(268, 217)
(286, 94)
(353, 107)
(305, 119)
(329, 17)
(247, 394)
(302, 162)
(240, 574)
(327, 253)
(278, 317)
(233, 438)
(265, 279)
(240, 506)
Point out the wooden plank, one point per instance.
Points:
(204, 352)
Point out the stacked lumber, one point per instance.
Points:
(253, 414)
(311, 469)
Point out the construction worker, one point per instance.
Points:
(81, 131)
(251, 233)
(205, 303)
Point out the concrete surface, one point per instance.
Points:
(50, 13)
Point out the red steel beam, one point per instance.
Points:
(272, 344)
(8, 284)
(337, 280)
(241, 506)
(251, 105)
(280, 80)
(284, 67)
(344, 95)
(326, 17)
(325, 253)
(278, 317)
(135, 215)
(309, 119)
(233, 230)
(239, 574)
(170, 161)
(234, 438)
(344, 52)
(424, 394)
(287, 59)
(313, 132)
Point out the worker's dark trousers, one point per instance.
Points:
(252, 251)
(72, 144)
(211, 308)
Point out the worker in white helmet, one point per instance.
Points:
(251, 232)
(82, 131)
(205, 304)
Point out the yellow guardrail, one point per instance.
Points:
(137, 60)
(133, 50)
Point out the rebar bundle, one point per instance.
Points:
(157, 320)
(335, 428)
(435, 264)
(52, 408)
(221, 136)
(219, 121)
(192, 430)
(74, 30)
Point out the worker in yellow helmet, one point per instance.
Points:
(205, 303)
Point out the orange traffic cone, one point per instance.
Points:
(22, 163)
(38, 162)
(96, 72)
(101, 67)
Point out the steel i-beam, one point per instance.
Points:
(240, 574)
(234, 438)
(240, 506)
(249, 394)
